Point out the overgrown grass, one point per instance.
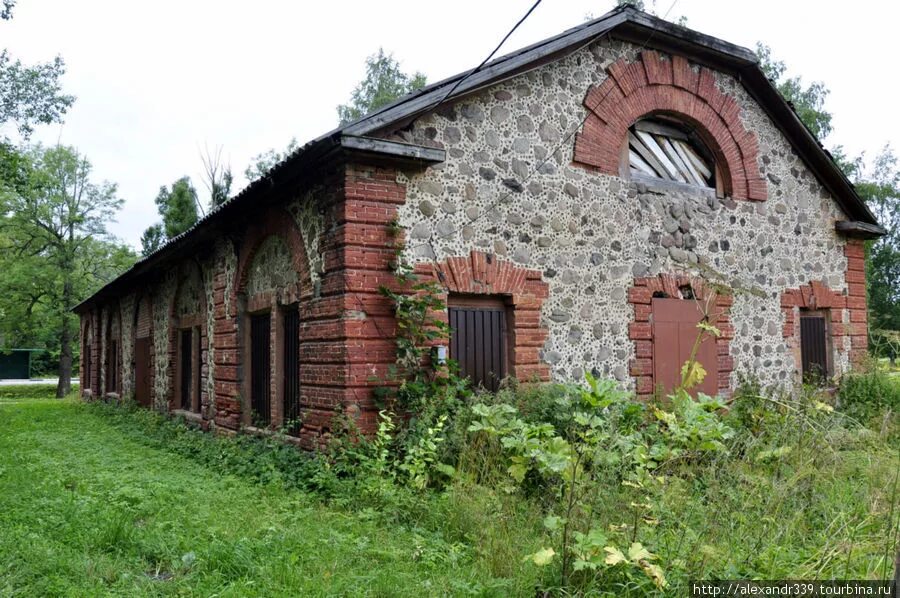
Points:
(90, 504)
(21, 392)
(103, 499)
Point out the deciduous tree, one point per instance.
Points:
(263, 162)
(58, 249)
(384, 82)
(808, 100)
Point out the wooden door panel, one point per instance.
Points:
(674, 326)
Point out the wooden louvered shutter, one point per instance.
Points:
(186, 347)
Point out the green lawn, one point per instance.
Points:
(86, 510)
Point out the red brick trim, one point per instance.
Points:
(484, 274)
(817, 295)
(656, 85)
(640, 331)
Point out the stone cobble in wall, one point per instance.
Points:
(509, 186)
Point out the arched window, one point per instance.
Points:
(273, 338)
(189, 333)
(87, 347)
(662, 150)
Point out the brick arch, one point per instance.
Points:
(114, 314)
(640, 331)
(188, 268)
(276, 222)
(484, 274)
(656, 85)
(143, 315)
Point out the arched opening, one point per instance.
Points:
(683, 97)
(186, 346)
(272, 336)
(113, 361)
(665, 150)
(143, 352)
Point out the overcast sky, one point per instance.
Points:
(157, 81)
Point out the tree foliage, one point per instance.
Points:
(56, 249)
(263, 163)
(879, 186)
(30, 95)
(384, 82)
(808, 100)
(152, 239)
(177, 206)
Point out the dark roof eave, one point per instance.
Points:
(859, 230)
(326, 149)
(627, 23)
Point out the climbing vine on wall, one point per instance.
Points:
(417, 380)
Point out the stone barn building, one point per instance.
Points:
(578, 200)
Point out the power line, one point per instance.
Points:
(549, 156)
(491, 55)
(450, 93)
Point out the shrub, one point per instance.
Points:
(869, 394)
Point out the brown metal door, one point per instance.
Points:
(260, 370)
(478, 343)
(142, 371)
(813, 348)
(291, 380)
(674, 334)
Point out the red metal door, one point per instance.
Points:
(674, 334)
(142, 371)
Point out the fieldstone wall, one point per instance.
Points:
(509, 186)
(163, 294)
(190, 292)
(308, 215)
(271, 268)
(208, 409)
(127, 308)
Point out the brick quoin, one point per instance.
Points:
(482, 273)
(347, 334)
(640, 331)
(654, 84)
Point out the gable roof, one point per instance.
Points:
(626, 23)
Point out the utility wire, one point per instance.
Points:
(491, 55)
(550, 155)
(564, 141)
(444, 99)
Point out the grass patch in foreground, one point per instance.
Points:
(88, 509)
(98, 499)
